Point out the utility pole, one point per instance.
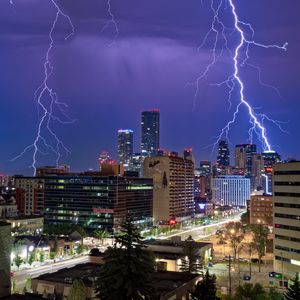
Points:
(229, 274)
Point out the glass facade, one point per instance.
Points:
(97, 202)
(150, 132)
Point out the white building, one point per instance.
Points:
(230, 190)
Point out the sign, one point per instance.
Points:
(102, 210)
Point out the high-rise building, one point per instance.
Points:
(205, 168)
(5, 252)
(173, 187)
(286, 212)
(230, 190)
(104, 158)
(29, 194)
(136, 163)
(244, 155)
(270, 158)
(125, 146)
(257, 172)
(96, 202)
(188, 154)
(150, 132)
(223, 158)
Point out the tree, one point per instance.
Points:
(234, 233)
(274, 295)
(42, 256)
(55, 246)
(260, 236)
(31, 258)
(245, 218)
(18, 261)
(248, 291)
(77, 291)
(192, 261)
(79, 249)
(205, 289)
(101, 235)
(128, 268)
(293, 291)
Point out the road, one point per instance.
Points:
(21, 276)
(201, 231)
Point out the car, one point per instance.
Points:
(256, 260)
(210, 264)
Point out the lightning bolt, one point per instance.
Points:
(47, 101)
(239, 57)
(111, 21)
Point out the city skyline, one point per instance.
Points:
(149, 66)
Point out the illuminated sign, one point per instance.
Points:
(102, 210)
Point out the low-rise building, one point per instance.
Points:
(169, 253)
(261, 209)
(8, 206)
(26, 224)
(168, 285)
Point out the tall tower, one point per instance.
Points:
(125, 146)
(245, 159)
(223, 158)
(150, 132)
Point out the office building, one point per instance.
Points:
(223, 158)
(150, 132)
(104, 158)
(188, 154)
(29, 194)
(261, 209)
(52, 170)
(136, 163)
(257, 172)
(230, 190)
(205, 168)
(270, 158)
(94, 201)
(286, 211)
(125, 146)
(5, 250)
(173, 187)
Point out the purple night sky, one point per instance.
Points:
(150, 65)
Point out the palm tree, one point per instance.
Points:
(101, 235)
(126, 274)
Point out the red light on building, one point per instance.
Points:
(269, 170)
(172, 222)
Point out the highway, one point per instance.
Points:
(21, 276)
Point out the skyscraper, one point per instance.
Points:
(125, 146)
(150, 132)
(270, 158)
(223, 158)
(244, 156)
